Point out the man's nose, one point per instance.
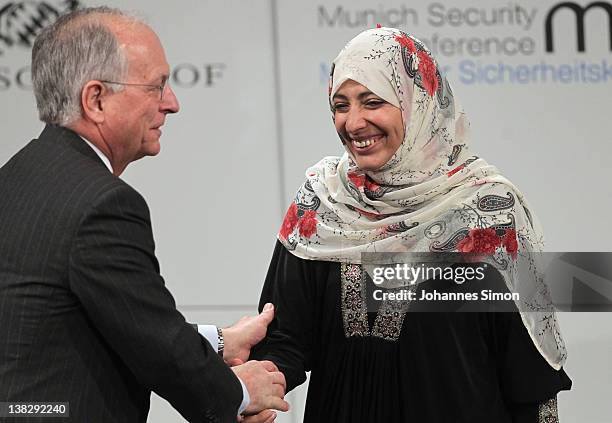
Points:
(170, 103)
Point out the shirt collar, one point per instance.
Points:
(100, 154)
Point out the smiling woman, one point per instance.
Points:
(407, 183)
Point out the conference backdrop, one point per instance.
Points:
(534, 77)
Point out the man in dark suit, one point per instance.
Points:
(85, 317)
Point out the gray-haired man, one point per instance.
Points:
(85, 316)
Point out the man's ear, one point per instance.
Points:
(92, 100)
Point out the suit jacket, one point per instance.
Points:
(85, 317)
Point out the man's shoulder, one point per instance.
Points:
(60, 165)
(55, 147)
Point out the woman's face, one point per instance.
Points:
(372, 129)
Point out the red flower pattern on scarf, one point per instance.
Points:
(308, 223)
(510, 243)
(480, 241)
(371, 185)
(289, 222)
(356, 179)
(406, 42)
(486, 241)
(455, 170)
(427, 69)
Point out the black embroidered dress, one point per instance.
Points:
(392, 366)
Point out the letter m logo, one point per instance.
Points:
(579, 11)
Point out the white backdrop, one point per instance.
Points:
(251, 77)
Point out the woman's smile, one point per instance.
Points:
(364, 145)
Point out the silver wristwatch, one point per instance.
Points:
(220, 342)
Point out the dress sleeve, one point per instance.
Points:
(544, 412)
(529, 385)
(291, 286)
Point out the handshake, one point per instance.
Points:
(264, 382)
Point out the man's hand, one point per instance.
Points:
(266, 416)
(266, 386)
(240, 338)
